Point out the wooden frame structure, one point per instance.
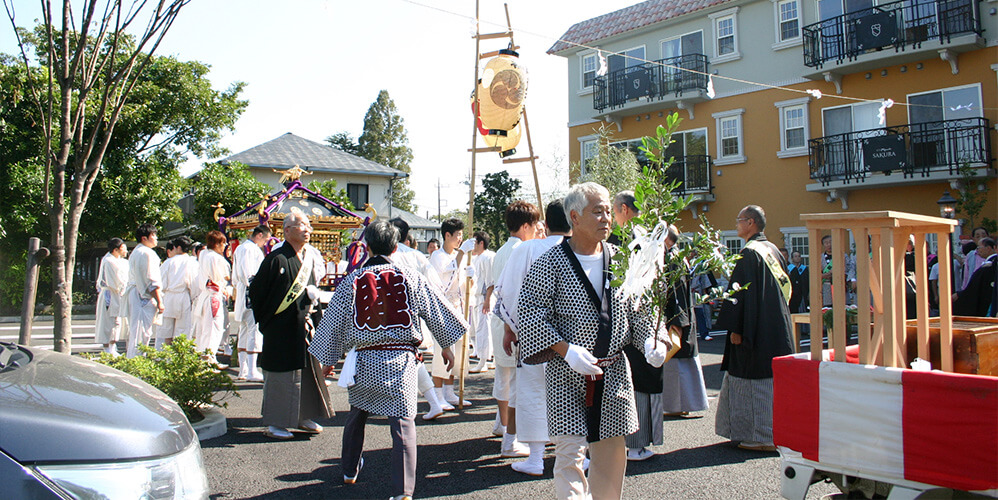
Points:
(880, 284)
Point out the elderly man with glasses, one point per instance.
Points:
(757, 319)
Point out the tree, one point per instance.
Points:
(231, 185)
(90, 74)
(613, 167)
(498, 191)
(344, 142)
(173, 110)
(384, 141)
(328, 189)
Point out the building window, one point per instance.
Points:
(725, 35)
(793, 127)
(690, 43)
(789, 20)
(590, 63)
(795, 239)
(589, 151)
(732, 241)
(730, 146)
(358, 194)
(628, 60)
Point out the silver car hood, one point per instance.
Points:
(64, 408)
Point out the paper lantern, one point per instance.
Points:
(506, 140)
(501, 91)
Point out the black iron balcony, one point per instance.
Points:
(656, 80)
(693, 173)
(898, 25)
(913, 149)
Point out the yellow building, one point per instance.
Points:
(783, 148)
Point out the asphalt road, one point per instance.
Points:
(457, 456)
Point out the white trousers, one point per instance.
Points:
(249, 334)
(531, 404)
(141, 313)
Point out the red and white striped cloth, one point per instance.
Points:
(934, 428)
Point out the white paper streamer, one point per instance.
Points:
(814, 92)
(882, 113)
(710, 87)
(646, 260)
(602, 63)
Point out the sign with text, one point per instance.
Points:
(876, 30)
(884, 153)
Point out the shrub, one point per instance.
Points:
(180, 372)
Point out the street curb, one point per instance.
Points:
(17, 319)
(211, 426)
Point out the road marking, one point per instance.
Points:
(46, 327)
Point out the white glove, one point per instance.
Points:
(469, 272)
(468, 246)
(581, 360)
(655, 356)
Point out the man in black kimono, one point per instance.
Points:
(758, 323)
(294, 390)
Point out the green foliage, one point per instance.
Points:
(972, 200)
(231, 185)
(180, 372)
(658, 209)
(344, 142)
(499, 190)
(613, 167)
(328, 189)
(384, 141)
(12, 274)
(990, 224)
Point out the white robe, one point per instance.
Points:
(530, 394)
(180, 275)
(498, 264)
(111, 281)
(209, 309)
(143, 279)
(453, 278)
(245, 263)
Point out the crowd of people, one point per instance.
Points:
(576, 361)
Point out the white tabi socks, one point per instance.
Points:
(534, 464)
(498, 429)
(254, 374)
(243, 367)
(513, 448)
(452, 398)
(436, 404)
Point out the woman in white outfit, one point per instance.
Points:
(210, 307)
(111, 281)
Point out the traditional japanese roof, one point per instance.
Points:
(414, 221)
(290, 150)
(627, 19)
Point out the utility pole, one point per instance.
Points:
(438, 200)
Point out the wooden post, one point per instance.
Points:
(863, 293)
(922, 295)
(888, 260)
(817, 325)
(839, 333)
(945, 303)
(533, 161)
(471, 208)
(36, 254)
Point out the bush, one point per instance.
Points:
(180, 372)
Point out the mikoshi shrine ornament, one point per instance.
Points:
(502, 90)
(329, 220)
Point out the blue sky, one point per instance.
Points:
(313, 67)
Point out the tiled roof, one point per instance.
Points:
(627, 19)
(289, 150)
(414, 221)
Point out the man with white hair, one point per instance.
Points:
(294, 388)
(573, 319)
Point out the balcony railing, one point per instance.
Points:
(897, 25)
(656, 80)
(941, 146)
(693, 172)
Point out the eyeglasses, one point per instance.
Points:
(741, 219)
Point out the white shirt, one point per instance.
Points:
(143, 271)
(180, 276)
(592, 265)
(483, 272)
(246, 262)
(407, 256)
(446, 266)
(507, 291)
(214, 267)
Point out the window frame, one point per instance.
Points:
(783, 106)
(716, 18)
(789, 233)
(779, 43)
(584, 143)
(367, 192)
(583, 88)
(661, 43)
(719, 118)
(942, 94)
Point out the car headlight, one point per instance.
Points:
(179, 476)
